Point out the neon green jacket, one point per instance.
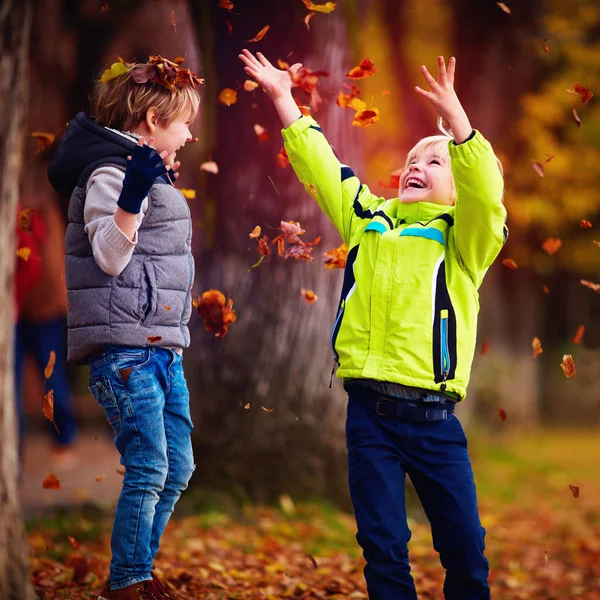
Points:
(409, 302)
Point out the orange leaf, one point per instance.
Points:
(309, 296)
(24, 253)
(574, 490)
(228, 97)
(502, 413)
(365, 117)
(578, 335)
(344, 99)
(510, 263)
(485, 347)
(166, 307)
(322, 8)
(74, 543)
(366, 68)
(48, 406)
(282, 159)
(307, 19)
(216, 312)
(247, 406)
(591, 285)
(226, 4)
(99, 478)
(538, 167)
(261, 34)
(597, 243)
(585, 224)
(50, 366)
(504, 7)
(263, 246)
(255, 233)
(551, 246)
(267, 409)
(154, 338)
(568, 365)
(585, 94)
(336, 258)
(25, 219)
(536, 344)
(44, 140)
(210, 167)
(51, 482)
(172, 15)
(545, 47)
(250, 85)
(576, 118)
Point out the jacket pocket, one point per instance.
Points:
(444, 351)
(444, 331)
(149, 292)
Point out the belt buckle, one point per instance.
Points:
(384, 399)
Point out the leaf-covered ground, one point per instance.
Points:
(543, 542)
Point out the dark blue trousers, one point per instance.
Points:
(381, 452)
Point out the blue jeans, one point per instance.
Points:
(145, 397)
(381, 452)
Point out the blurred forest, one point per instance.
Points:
(518, 65)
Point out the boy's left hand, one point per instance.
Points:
(444, 98)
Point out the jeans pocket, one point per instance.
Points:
(127, 361)
(101, 389)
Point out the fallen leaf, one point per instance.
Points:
(365, 69)
(538, 167)
(578, 335)
(591, 285)
(536, 344)
(485, 347)
(282, 159)
(210, 167)
(545, 46)
(510, 263)
(44, 140)
(48, 406)
(260, 35)
(502, 414)
(312, 560)
(51, 482)
(568, 365)
(551, 246)
(172, 15)
(322, 8)
(576, 118)
(585, 224)
(574, 490)
(217, 312)
(250, 85)
(309, 296)
(336, 258)
(188, 194)
(228, 97)
(49, 369)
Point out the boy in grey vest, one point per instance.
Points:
(129, 273)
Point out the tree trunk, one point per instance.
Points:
(15, 25)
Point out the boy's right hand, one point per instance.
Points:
(275, 82)
(144, 166)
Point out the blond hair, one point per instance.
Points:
(122, 103)
(440, 145)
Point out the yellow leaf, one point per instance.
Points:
(322, 8)
(116, 69)
(188, 194)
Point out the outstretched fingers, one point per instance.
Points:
(250, 60)
(263, 60)
(441, 70)
(451, 70)
(428, 77)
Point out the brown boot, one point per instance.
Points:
(144, 590)
(159, 588)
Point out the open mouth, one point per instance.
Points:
(414, 183)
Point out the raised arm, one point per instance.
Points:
(334, 185)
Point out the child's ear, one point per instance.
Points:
(151, 119)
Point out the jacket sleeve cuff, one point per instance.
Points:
(297, 128)
(475, 145)
(117, 240)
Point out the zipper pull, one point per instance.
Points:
(443, 386)
(335, 363)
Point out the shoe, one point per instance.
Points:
(143, 590)
(159, 588)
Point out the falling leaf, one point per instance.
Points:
(551, 246)
(267, 409)
(99, 478)
(216, 311)
(549, 157)
(74, 543)
(336, 258)
(578, 335)
(287, 504)
(393, 183)
(228, 25)
(226, 4)
(50, 366)
(104, 7)
(510, 263)
(255, 233)
(48, 406)
(504, 8)
(585, 94)
(596, 242)
(261, 132)
(546, 556)
(574, 490)
(585, 224)
(344, 98)
(25, 220)
(545, 46)
(568, 365)
(502, 414)
(538, 167)
(261, 34)
(247, 406)
(366, 117)
(172, 15)
(51, 482)
(250, 85)
(44, 140)
(228, 97)
(485, 347)
(385, 92)
(282, 159)
(536, 344)
(308, 80)
(309, 296)
(312, 560)
(210, 167)
(591, 285)
(188, 194)
(546, 290)
(307, 19)
(576, 118)
(166, 307)
(365, 69)
(24, 253)
(322, 8)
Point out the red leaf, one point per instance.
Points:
(585, 94)
(585, 224)
(172, 15)
(578, 335)
(51, 482)
(551, 246)
(216, 312)
(485, 347)
(568, 365)
(154, 338)
(104, 7)
(510, 263)
(574, 490)
(502, 413)
(546, 290)
(282, 159)
(260, 35)
(365, 69)
(309, 296)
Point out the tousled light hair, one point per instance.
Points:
(122, 104)
(439, 143)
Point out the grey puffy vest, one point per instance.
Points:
(151, 298)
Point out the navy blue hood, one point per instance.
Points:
(82, 149)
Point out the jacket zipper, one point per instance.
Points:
(445, 353)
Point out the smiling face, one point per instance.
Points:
(427, 176)
(171, 138)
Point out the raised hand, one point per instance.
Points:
(444, 98)
(275, 82)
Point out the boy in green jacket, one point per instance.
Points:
(404, 335)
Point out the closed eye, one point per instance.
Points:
(435, 162)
